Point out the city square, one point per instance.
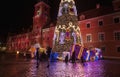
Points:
(22, 67)
(60, 38)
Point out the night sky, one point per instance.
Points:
(17, 14)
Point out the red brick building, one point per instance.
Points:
(22, 42)
(100, 28)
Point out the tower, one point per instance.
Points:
(40, 19)
(67, 31)
(41, 15)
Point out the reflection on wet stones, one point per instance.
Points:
(22, 68)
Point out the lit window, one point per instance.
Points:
(116, 20)
(118, 49)
(89, 38)
(100, 23)
(101, 36)
(88, 25)
(117, 35)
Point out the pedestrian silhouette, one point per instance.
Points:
(82, 60)
(66, 58)
(49, 49)
(37, 56)
(73, 57)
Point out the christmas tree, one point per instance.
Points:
(67, 31)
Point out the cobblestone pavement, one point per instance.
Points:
(27, 68)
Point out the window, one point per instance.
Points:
(37, 27)
(100, 23)
(118, 49)
(47, 38)
(101, 36)
(103, 49)
(89, 38)
(117, 35)
(116, 20)
(88, 25)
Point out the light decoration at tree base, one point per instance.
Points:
(87, 54)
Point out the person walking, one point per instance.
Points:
(73, 57)
(82, 59)
(66, 59)
(37, 57)
(49, 49)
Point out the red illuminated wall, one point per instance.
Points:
(22, 42)
(108, 28)
(19, 42)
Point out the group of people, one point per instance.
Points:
(68, 58)
(73, 58)
(48, 51)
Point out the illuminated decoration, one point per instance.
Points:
(64, 54)
(56, 36)
(78, 49)
(87, 54)
(62, 37)
(67, 35)
(67, 31)
(32, 50)
(3, 48)
(17, 52)
(67, 6)
(53, 56)
(37, 45)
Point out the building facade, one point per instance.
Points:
(100, 28)
(22, 42)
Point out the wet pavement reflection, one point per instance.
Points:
(27, 68)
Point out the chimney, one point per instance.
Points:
(116, 5)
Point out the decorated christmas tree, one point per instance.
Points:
(67, 31)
